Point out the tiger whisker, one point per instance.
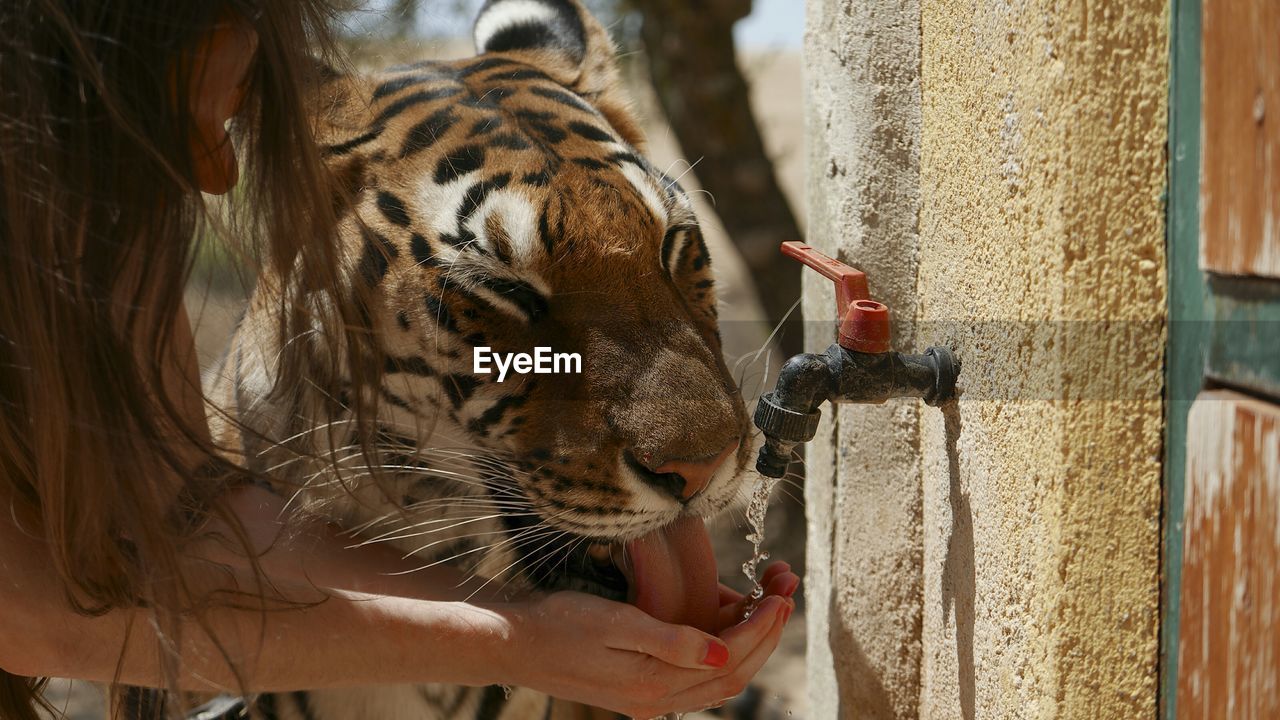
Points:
(450, 501)
(533, 531)
(399, 514)
(299, 457)
(410, 471)
(568, 552)
(313, 430)
(466, 501)
(402, 534)
(455, 556)
(700, 191)
(565, 553)
(766, 347)
(687, 170)
(398, 535)
(451, 558)
(363, 471)
(512, 577)
(434, 543)
(508, 567)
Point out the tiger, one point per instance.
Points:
(504, 203)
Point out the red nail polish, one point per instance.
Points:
(717, 655)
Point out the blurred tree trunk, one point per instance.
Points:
(693, 64)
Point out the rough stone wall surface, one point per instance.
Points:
(1042, 256)
(1031, 588)
(863, 492)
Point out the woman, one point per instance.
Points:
(114, 505)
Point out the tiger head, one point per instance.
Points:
(503, 202)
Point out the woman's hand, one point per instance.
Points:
(614, 656)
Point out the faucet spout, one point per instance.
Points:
(789, 415)
(860, 368)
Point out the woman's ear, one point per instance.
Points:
(220, 67)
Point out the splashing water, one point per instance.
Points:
(755, 518)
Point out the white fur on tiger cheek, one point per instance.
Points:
(644, 185)
(518, 220)
(507, 14)
(448, 198)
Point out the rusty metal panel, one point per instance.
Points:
(1240, 176)
(1229, 642)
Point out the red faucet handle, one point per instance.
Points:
(851, 284)
(864, 323)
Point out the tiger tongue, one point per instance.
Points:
(674, 574)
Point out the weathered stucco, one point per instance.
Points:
(863, 492)
(1031, 589)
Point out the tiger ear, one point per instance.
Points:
(563, 40)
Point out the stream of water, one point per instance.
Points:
(755, 518)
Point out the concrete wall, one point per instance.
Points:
(863, 490)
(996, 167)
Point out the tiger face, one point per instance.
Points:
(504, 202)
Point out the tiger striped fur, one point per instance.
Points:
(503, 201)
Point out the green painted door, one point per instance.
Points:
(1221, 618)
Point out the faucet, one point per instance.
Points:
(860, 368)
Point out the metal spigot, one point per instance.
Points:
(860, 368)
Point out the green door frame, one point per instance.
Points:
(1222, 331)
(1184, 363)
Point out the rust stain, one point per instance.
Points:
(1240, 178)
(1229, 647)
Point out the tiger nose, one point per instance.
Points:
(696, 473)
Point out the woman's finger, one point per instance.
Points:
(774, 569)
(743, 637)
(782, 583)
(678, 645)
(729, 595)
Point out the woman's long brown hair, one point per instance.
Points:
(98, 209)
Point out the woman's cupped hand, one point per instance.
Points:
(611, 655)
